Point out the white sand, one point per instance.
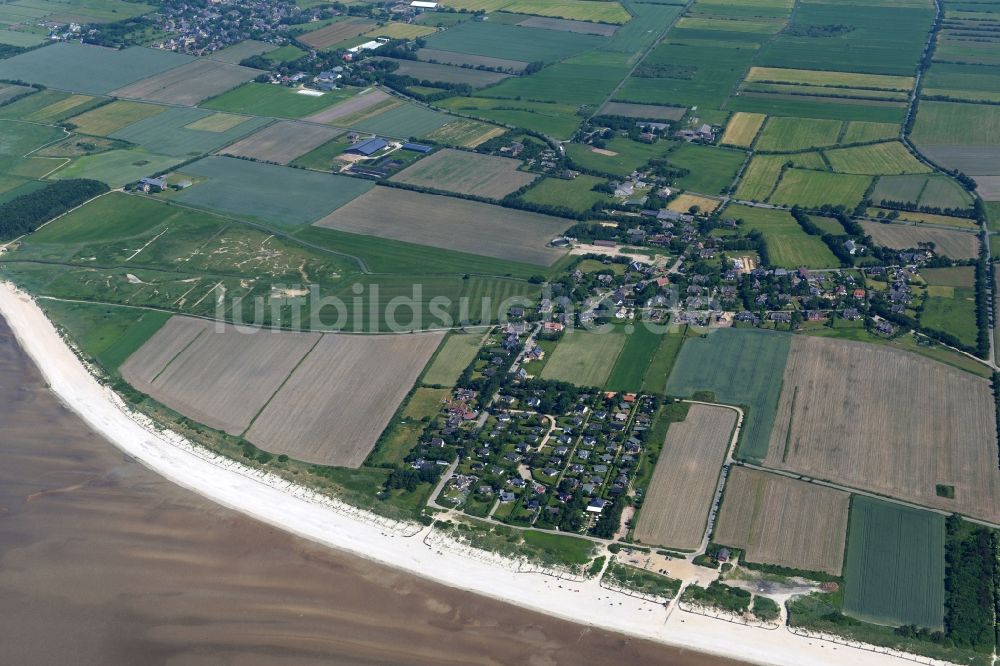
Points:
(292, 509)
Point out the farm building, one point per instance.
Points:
(367, 46)
(368, 147)
(418, 147)
(152, 184)
(418, 4)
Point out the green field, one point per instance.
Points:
(112, 117)
(169, 133)
(788, 246)
(88, 69)
(812, 189)
(894, 569)
(116, 167)
(19, 139)
(404, 121)
(761, 175)
(629, 155)
(790, 134)
(925, 190)
(48, 106)
(833, 108)
(585, 358)
(951, 302)
(692, 71)
(713, 170)
(511, 42)
(557, 120)
(107, 333)
(274, 194)
(946, 123)
(881, 39)
(564, 83)
(382, 255)
(890, 158)
(742, 367)
(452, 358)
(658, 370)
(576, 194)
(993, 215)
(265, 99)
(634, 361)
(862, 132)
(321, 158)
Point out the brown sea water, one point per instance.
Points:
(103, 562)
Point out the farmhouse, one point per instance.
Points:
(368, 147)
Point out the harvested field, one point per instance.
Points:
(467, 173)
(406, 31)
(783, 521)
(644, 111)
(683, 203)
(189, 84)
(675, 509)
(465, 133)
(459, 59)
(451, 224)
(566, 25)
(988, 187)
(974, 160)
(358, 104)
(336, 32)
(427, 71)
(887, 421)
(333, 408)
(742, 129)
(282, 142)
(952, 244)
(219, 378)
(217, 122)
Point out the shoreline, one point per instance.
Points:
(298, 511)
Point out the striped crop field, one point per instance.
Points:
(894, 571)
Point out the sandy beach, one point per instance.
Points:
(404, 547)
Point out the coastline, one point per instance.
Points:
(260, 496)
